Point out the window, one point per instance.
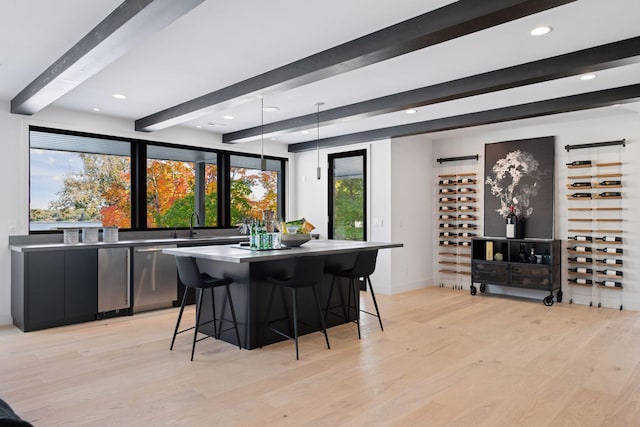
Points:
(347, 196)
(78, 181)
(175, 180)
(81, 180)
(254, 190)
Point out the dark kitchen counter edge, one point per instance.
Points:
(179, 241)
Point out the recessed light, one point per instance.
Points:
(119, 96)
(215, 124)
(96, 109)
(273, 139)
(270, 108)
(411, 111)
(588, 77)
(541, 31)
(228, 117)
(304, 131)
(198, 126)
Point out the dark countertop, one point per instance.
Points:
(179, 241)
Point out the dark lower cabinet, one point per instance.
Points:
(53, 288)
(509, 262)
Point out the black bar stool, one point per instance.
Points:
(364, 266)
(191, 277)
(307, 274)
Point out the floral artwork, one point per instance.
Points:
(515, 180)
(520, 174)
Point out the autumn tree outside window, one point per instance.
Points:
(85, 180)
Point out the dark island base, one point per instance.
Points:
(250, 292)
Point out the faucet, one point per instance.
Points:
(197, 217)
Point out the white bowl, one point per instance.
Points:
(293, 240)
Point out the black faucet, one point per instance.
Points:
(197, 217)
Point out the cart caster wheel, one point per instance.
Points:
(620, 307)
(548, 300)
(571, 301)
(483, 288)
(599, 304)
(473, 290)
(559, 296)
(590, 303)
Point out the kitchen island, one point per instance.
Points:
(249, 269)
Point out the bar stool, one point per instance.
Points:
(307, 274)
(364, 266)
(191, 277)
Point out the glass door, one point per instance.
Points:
(348, 195)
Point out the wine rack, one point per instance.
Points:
(595, 233)
(457, 219)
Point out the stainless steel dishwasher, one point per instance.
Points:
(114, 281)
(155, 278)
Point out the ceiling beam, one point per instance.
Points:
(125, 27)
(446, 23)
(585, 101)
(588, 60)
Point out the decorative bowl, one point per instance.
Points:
(293, 240)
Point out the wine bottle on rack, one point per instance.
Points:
(609, 250)
(467, 216)
(581, 184)
(605, 183)
(446, 190)
(466, 234)
(467, 181)
(609, 283)
(609, 272)
(466, 199)
(448, 234)
(447, 225)
(447, 243)
(581, 281)
(610, 194)
(609, 239)
(447, 208)
(580, 249)
(580, 195)
(447, 217)
(447, 199)
(581, 238)
(466, 208)
(465, 225)
(464, 243)
(610, 261)
(447, 181)
(466, 190)
(511, 223)
(579, 163)
(581, 270)
(581, 259)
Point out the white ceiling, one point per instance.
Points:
(221, 43)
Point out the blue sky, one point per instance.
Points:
(48, 170)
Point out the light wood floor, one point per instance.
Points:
(444, 359)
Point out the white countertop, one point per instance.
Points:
(236, 254)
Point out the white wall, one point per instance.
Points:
(412, 213)
(14, 167)
(594, 126)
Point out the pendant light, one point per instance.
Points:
(318, 170)
(263, 161)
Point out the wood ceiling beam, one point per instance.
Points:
(454, 20)
(130, 23)
(588, 60)
(585, 101)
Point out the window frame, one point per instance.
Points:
(331, 187)
(138, 159)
